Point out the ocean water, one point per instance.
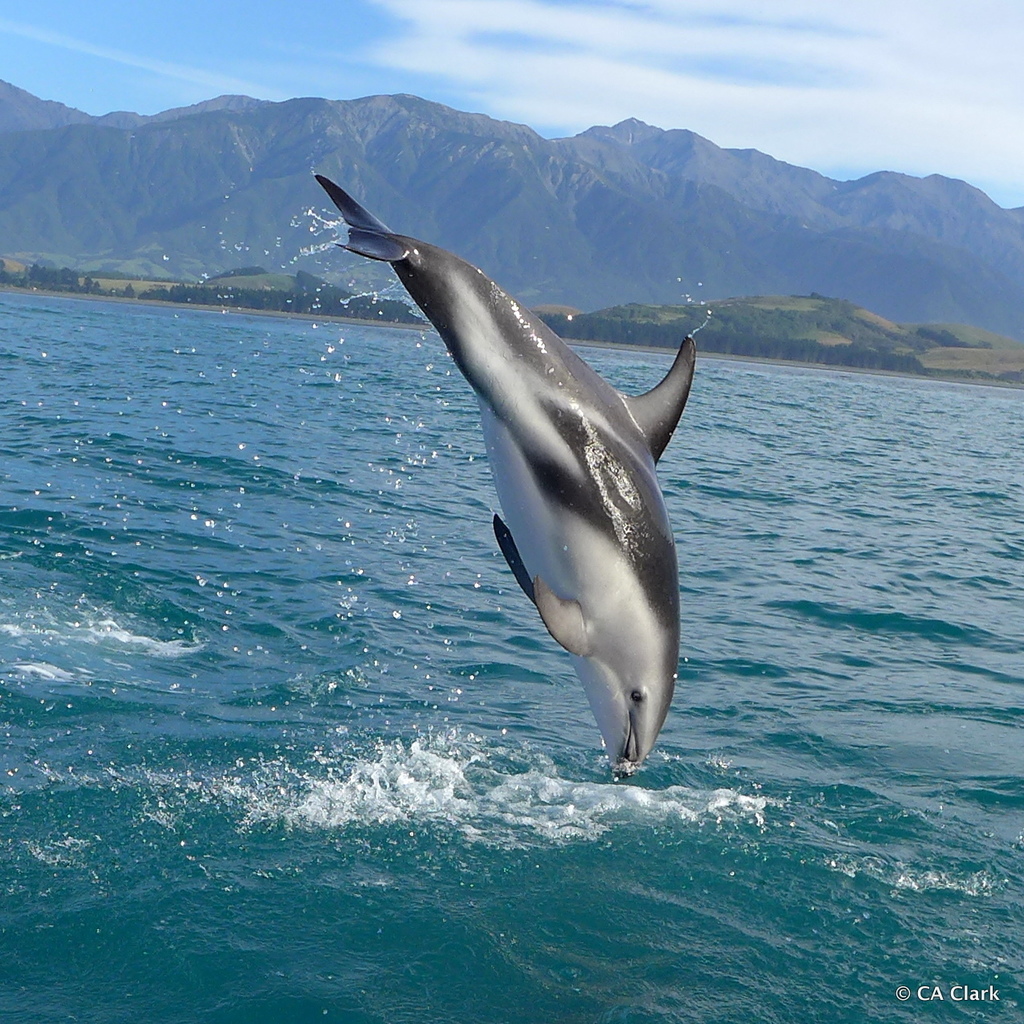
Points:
(281, 740)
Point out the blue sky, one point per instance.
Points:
(919, 86)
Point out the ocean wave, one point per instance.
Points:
(493, 797)
(889, 621)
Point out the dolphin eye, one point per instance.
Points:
(636, 697)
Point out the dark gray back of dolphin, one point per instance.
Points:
(656, 412)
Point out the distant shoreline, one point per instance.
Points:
(573, 342)
(824, 368)
(206, 308)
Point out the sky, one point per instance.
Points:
(846, 87)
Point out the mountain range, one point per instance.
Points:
(627, 213)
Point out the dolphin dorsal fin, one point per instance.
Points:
(367, 235)
(656, 412)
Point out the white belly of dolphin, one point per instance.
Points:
(582, 563)
(535, 521)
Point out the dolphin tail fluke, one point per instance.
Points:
(657, 411)
(355, 215)
(367, 235)
(376, 247)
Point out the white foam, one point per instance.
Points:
(430, 780)
(976, 883)
(63, 852)
(903, 878)
(16, 631)
(107, 631)
(41, 670)
(96, 632)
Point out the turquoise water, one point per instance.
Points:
(281, 740)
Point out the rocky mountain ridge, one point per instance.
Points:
(617, 214)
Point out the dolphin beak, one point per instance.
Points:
(629, 758)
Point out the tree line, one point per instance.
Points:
(308, 295)
(62, 279)
(743, 331)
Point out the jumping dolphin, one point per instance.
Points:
(586, 533)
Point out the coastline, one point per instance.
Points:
(819, 367)
(165, 304)
(574, 342)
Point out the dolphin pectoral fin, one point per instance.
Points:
(656, 412)
(563, 617)
(515, 562)
(368, 236)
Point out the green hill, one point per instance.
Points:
(808, 329)
(244, 288)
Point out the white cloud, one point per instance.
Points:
(916, 85)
